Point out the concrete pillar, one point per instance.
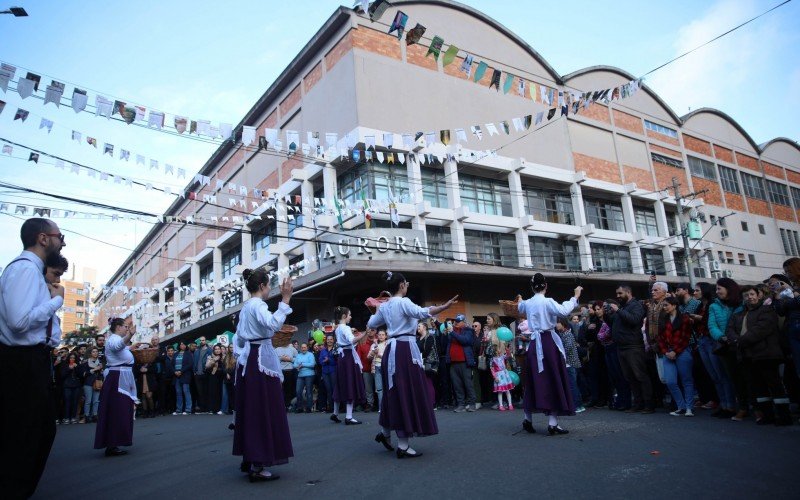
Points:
(661, 219)
(216, 262)
(579, 215)
(162, 308)
(329, 182)
(309, 247)
(415, 190)
(518, 211)
(194, 273)
(454, 203)
(176, 300)
(637, 263)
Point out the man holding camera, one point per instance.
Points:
(28, 305)
(626, 332)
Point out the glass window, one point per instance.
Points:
(485, 196)
(433, 187)
(79, 314)
(646, 221)
(549, 206)
(666, 160)
(549, 253)
(655, 127)
(294, 224)
(496, 249)
(680, 263)
(230, 259)
(796, 197)
(79, 303)
(653, 260)
(752, 259)
(207, 275)
(702, 168)
(611, 258)
(206, 310)
(231, 299)
(729, 181)
(744, 226)
(753, 186)
(778, 193)
(373, 181)
(761, 229)
(440, 243)
(604, 215)
(672, 224)
(261, 240)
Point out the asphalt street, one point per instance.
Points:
(607, 454)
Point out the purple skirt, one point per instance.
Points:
(114, 416)
(261, 436)
(407, 408)
(349, 386)
(547, 392)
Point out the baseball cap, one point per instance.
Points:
(460, 318)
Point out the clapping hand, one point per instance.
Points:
(287, 287)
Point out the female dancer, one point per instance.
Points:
(349, 386)
(261, 433)
(547, 389)
(499, 351)
(118, 396)
(407, 406)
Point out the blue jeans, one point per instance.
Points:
(379, 385)
(715, 369)
(71, 396)
(91, 401)
(224, 406)
(183, 393)
(573, 385)
(681, 368)
(306, 383)
(794, 344)
(329, 379)
(623, 399)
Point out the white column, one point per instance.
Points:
(162, 308)
(454, 202)
(247, 255)
(176, 299)
(518, 211)
(629, 217)
(329, 182)
(309, 247)
(216, 262)
(579, 215)
(415, 187)
(194, 273)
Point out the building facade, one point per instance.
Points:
(585, 197)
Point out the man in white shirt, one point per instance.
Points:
(28, 305)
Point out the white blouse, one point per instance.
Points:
(543, 313)
(257, 325)
(120, 359)
(345, 338)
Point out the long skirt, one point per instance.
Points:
(261, 436)
(349, 386)
(115, 415)
(547, 392)
(407, 408)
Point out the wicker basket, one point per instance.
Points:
(283, 337)
(373, 303)
(510, 308)
(144, 356)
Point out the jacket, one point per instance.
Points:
(718, 316)
(674, 335)
(70, 376)
(328, 361)
(626, 325)
(200, 358)
(169, 366)
(466, 338)
(790, 310)
(185, 368)
(761, 341)
(307, 360)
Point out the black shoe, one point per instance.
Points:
(528, 427)
(335, 419)
(351, 421)
(385, 441)
(115, 452)
(401, 453)
(232, 426)
(556, 429)
(255, 477)
(245, 467)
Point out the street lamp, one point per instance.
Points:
(17, 11)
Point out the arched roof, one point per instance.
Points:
(627, 76)
(725, 117)
(494, 24)
(763, 147)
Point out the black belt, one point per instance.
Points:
(119, 366)
(403, 335)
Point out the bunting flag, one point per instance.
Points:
(509, 83)
(2, 106)
(180, 124)
(79, 100)
(21, 114)
(495, 80)
(34, 157)
(466, 66)
(435, 47)
(377, 9)
(399, 23)
(53, 93)
(479, 71)
(25, 87)
(444, 137)
(551, 113)
(45, 123)
(415, 34)
(449, 55)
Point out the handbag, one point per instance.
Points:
(97, 385)
(482, 362)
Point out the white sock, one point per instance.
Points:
(500, 399)
(336, 408)
(528, 416)
(508, 396)
(403, 444)
(349, 410)
(552, 421)
(386, 432)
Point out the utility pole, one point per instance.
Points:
(686, 248)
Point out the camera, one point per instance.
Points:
(607, 309)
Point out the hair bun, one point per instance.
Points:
(387, 275)
(247, 273)
(538, 279)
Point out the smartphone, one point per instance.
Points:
(653, 273)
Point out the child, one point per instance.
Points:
(573, 360)
(499, 353)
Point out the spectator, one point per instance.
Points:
(145, 384)
(461, 359)
(565, 330)
(100, 343)
(184, 361)
(304, 364)
(428, 345)
(376, 356)
(92, 375)
(167, 382)
(363, 349)
(626, 332)
(596, 369)
(673, 344)
(215, 375)
(229, 388)
(444, 393)
(622, 402)
(327, 358)
(484, 382)
(734, 386)
(787, 303)
(201, 356)
(286, 357)
(69, 374)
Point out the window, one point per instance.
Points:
(721, 256)
(294, 224)
(548, 253)
(699, 272)
(611, 258)
(729, 181)
(666, 160)
(78, 326)
(186, 321)
(79, 303)
(752, 259)
(778, 193)
(729, 257)
(373, 181)
(207, 275)
(742, 261)
(744, 226)
(791, 242)
(653, 260)
(261, 240)
(230, 259)
(672, 224)
(484, 196)
(680, 263)
(433, 187)
(702, 168)
(646, 221)
(655, 127)
(753, 186)
(79, 315)
(604, 215)
(761, 229)
(496, 249)
(231, 299)
(549, 206)
(440, 243)
(206, 310)
(796, 197)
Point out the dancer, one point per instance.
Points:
(118, 396)
(407, 406)
(261, 434)
(499, 353)
(547, 386)
(349, 386)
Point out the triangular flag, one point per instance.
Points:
(435, 47)
(79, 100)
(399, 24)
(449, 55)
(415, 34)
(479, 71)
(466, 66)
(444, 137)
(495, 80)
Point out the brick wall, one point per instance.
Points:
(595, 112)
(773, 170)
(377, 41)
(289, 165)
(663, 138)
(747, 162)
(758, 207)
(665, 173)
(313, 76)
(655, 148)
(697, 145)
(793, 176)
(341, 48)
(714, 194)
(291, 101)
(723, 154)
(783, 212)
(734, 201)
(596, 168)
(271, 181)
(454, 68)
(415, 54)
(627, 121)
(642, 178)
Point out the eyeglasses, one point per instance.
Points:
(59, 235)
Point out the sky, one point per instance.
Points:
(213, 60)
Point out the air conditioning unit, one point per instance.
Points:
(727, 273)
(723, 233)
(715, 265)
